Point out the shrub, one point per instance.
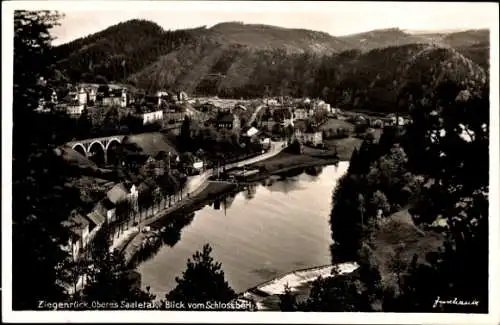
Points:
(360, 128)
(340, 133)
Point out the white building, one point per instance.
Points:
(326, 107)
(123, 99)
(53, 97)
(151, 117)
(182, 96)
(305, 133)
(82, 96)
(75, 109)
(314, 137)
(265, 142)
(92, 94)
(271, 101)
(303, 113)
(251, 132)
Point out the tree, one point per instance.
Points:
(187, 159)
(295, 148)
(334, 294)
(288, 300)
(109, 278)
(185, 139)
(84, 124)
(41, 198)
(448, 142)
(325, 92)
(345, 219)
(112, 122)
(202, 281)
(123, 211)
(32, 56)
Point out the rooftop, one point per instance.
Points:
(304, 126)
(117, 193)
(96, 218)
(76, 223)
(225, 118)
(281, 114)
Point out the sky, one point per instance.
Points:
(335, 18)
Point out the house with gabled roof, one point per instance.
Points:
(226, 120)
(106, 209)
(79, 231)
(283, 116)
(305, 133)
(117, 193)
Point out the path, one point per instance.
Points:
(254, 115)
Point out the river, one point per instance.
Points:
(257, 234)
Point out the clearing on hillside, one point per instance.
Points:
(151, 143)
(398, 232)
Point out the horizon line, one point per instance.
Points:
(209, 26)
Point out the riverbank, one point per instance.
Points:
(266, 295)
(188, 205)
(281, 163)
(284, 162)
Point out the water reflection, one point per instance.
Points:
(291, 173)
(167, 232)
(314, 171)
(257, 232)
(250, 192)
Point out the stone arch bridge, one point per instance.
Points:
(89, 147)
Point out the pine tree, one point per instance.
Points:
(202, 281)
(185, 140)
(288, 300)
(41, 200)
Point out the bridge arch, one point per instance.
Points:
(97, 152)
(113, 140)
(112, 151)
(79, 147)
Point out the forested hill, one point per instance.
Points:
(240, 60)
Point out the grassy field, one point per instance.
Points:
(399, 232)
(336, 124)
(345, 146)
(152, 143)
(284, 161)
(74, 158)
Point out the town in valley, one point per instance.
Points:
(239, 166)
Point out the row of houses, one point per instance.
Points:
(78, 97)
(84, 227)
(307, 108)
(277, 115)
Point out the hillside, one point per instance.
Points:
(248, 60)
(151, 143)
(266, 37)
(383, 38)
(438, 73)
(398, 235)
